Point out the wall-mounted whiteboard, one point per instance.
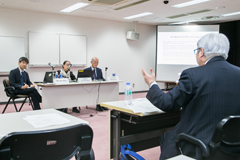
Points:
(43, 48)
(11, 49)
(56, 48)
(73, 48)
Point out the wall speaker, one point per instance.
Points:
(133, 35)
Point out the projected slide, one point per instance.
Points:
(175, 45)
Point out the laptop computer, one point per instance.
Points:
(48, 78)
(85, 73)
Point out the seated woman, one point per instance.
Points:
(66, 73)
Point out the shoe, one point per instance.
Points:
(64, 110)
(99, 108)
(75, 110)
(105, 108)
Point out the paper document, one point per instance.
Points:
(45, 120)
(142, 105)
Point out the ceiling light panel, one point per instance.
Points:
(138, 15)
(185, 22)
(193, 2)
(74, 7)
(230, 14)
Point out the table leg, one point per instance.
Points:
(115, 128)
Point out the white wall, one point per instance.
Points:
(105, 39)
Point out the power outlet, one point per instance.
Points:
(133, 85)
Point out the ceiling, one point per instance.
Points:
(163, 14)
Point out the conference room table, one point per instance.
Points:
(140, 130)
(78, 94)
(15, 122)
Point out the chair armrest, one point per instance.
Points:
(184, 137)
(10, 88)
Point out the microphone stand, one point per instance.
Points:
(106, 68)
(52, 70)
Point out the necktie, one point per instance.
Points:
(94, 74)
(22, 75)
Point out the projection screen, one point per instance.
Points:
(175, 45)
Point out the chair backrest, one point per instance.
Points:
(54, 144)
(225, 143)
(6, 84)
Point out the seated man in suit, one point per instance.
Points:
(19, 79)
(205, 95)
(97, 75)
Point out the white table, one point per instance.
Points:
(14, 122)
(78, 94)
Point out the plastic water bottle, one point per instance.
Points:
(56, 75)
(128, 94)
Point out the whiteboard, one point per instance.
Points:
(74, 49)
(11, 49)
(43, 49)
(56, 48)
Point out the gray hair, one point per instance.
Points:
(214, 44)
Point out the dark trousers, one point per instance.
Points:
(33, 93)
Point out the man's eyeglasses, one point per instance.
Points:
(95, 62)
(196, 51)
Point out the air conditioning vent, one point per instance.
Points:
(190, 13)
(178, 16)
(202, 11)
(109, 2)
(130, 5)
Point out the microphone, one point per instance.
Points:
(70, 65)
(106, 68)
(51, 65)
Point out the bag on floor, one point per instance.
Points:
(128, 154)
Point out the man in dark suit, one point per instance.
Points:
(97, 75)
(206, 94)
(19, 79)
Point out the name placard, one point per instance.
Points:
(84, 79)
(113, 78)
(61, 80)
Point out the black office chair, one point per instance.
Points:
(225, 142)
(10, 93)
(55, 144)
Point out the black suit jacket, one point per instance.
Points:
(15, 79)
(206, 94)
(99, 72)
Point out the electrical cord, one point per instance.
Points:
(97, 100)
(90, 89)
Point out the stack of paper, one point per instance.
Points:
(45, 120)
(142, 105)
